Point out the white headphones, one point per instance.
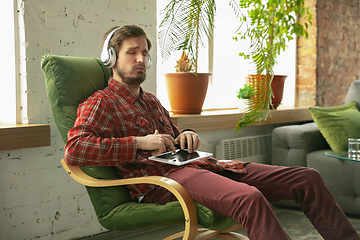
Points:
(108, 54)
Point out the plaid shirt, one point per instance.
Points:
(105, 129)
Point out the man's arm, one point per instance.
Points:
(91, 141)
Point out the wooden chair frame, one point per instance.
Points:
(190, 213)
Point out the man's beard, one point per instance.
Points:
(130, 78)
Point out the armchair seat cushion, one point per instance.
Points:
(116, 211)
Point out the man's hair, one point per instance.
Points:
(123, 33)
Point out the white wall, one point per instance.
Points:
(38, 200)
(7, 49)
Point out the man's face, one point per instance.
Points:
(132, 60)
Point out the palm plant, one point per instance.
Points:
(187, 24)
(184, 26)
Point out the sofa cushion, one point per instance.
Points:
(341, 177)
(337, 124)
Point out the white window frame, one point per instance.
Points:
(12, 84)
(226, 79)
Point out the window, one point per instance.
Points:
(228, 69)
(10, 85)
(7, 63)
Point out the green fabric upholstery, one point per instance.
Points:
(337, 124)
(69, 80)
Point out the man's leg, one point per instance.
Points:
(237, 200)
(306, 187)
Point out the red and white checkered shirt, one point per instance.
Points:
(105, 129)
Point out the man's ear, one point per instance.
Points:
(112, 70)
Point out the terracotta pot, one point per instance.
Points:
(277, 86)
(186, 91)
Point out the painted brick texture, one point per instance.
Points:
(328, 62)
(38, 199)
(307, 62)
(338, 49)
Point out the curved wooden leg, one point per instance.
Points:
(233, 228)
(218, 235)
(181, 234)
(203, 234)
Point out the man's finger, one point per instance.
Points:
(170, 144)
(189, 141)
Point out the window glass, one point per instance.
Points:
(7, 63)
(228, 69)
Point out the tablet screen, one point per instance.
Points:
(181, 155)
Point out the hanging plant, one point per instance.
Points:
(269, 26)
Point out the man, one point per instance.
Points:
(122, 126)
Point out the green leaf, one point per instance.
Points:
(188, 24)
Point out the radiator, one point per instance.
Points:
(247, 149)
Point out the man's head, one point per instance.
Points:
(131, 45)
(117, 35)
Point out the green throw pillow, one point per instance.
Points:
(337, 124)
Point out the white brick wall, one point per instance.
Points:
(38, 200)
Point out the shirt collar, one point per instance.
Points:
(124, 90)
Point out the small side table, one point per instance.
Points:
(341, 155)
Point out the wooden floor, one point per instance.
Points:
(296, 225)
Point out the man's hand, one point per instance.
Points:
(191, 138)
(156, 142)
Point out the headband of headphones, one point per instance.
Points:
(108, 54)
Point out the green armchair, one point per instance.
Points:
(69, 80)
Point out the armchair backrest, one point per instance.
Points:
(353, 93)
(69, 80)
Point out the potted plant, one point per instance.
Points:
(245, 94)
(186, 89)
(269, 25)
(186, 25)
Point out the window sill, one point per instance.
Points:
(225, 119)
(18, 136)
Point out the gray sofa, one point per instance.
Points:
(304, 145)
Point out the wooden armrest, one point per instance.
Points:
(187, 204)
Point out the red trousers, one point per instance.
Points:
(246, 197)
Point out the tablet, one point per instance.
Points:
(181, 157)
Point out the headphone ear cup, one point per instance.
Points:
(108, 54)
(148, 61)
(105, 57)
(112, 57)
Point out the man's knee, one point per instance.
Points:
(312, 176)
(250, 205)
(310, 185)
(253, 198)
